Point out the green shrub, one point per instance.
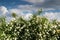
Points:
(37, 28)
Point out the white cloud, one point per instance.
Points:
(14, 10)
(52, 15)
(49, 15)
(36, 1)
(27, 7)
(45, 3)
(3, 10)
(23, 9)
(48, 9)
(28, 16)
(27, 10)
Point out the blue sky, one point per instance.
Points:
(50, 7)
(13, 3)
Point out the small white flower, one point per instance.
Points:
(47, 32)
(29, 24)
(10, 27)
(54, 26)
(7, 38)
(45, 27)
(17, 27)
(13, 18)
(50, 29)
(14, 33)
(40, 34)
(6, 24)
(18, 33)
(54, 31)
(15, 30)
(15, 38)
(58, 25)
(11, 23)
(27, 30)
(44, 35)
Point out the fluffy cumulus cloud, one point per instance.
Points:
(3, 10)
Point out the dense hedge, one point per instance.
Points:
(37, 28)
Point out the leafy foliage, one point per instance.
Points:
(37, 28)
